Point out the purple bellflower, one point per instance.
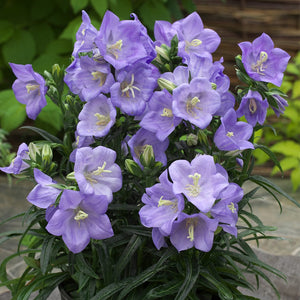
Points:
(143, 138)
(226, 210)
(97, 117)
(179, 76)
(122, 43)
(193, 38)
(88, 78)
(85, 36)
(282, 104)
(195, 230)
(196, 102)
(80, 141)
(233, 135)
(96, 171)
(18, 164)
(253, 107)
(262, 61)
(162, 206)
(159, 117)
(200, 181)
(29, 89)
(163, 33)
(79, 218)
(43, 194)
(134, 87)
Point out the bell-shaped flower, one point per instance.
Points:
(253, 107)
(163, 33)
(226, 210)
(85, 36)
(195, 230)
(281, 103)
(96, 171)
(162, 206)
(43, 194)
(262, 61)
(80, 141)
(29, 89)
(141, 140)
(200, 181)
(233, 134)
(196, 102)
(122, 43)
(194, 38)
(79, 218)
(97, 117)
(134, 87)
(18, 164)
(159, 118)
(179, 76)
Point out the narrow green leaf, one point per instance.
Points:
(164, 290)
(84, 266)
(264, 182)
(191, 276)
(247, 197)
(47, 136)
(46, 252)
(127, 255)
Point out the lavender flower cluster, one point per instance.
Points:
(116, 71)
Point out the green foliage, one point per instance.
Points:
(286, 141)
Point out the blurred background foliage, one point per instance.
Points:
(42, 32)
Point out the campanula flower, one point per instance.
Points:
(96, 171)
(29, 89)
(141, 140)
(232, 134)
(196, 102)
(282, 104)
(134, 87)
(262, 61)
(159, 117)
(79, 218)
(195, 230)
(253, 107)
(43, 194)
(97, 117)
(18, 164)
(162, 206)
(199, 180)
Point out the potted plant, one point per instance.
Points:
(140, 195)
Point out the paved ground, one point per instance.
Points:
(283, 254)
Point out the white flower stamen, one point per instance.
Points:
(164, 202)
(99, 75)
(102, 119)
(252, 106)
(258, 67)
(193, 43)
(191, 105)
(194, 189)
(115, 48)
(80, 215)
(32, 87)
(231, 207)
(230, 134)
(167, 113)
(129, 87)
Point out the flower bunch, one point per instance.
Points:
(152, 148)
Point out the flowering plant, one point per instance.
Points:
(141, 195)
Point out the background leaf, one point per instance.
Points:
(100, 6)
(78, 5)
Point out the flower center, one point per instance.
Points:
(99, 75)
(258, 67)
(129, 87)
(167, 113)
(191, 223)
(193, 43)
(31, 87)
(231, 207)
(191, 105)
(80, 215)
(89, 175)
(102, 119)
(139, 150)
(115, 48)
(194, 189)
(164, 202)
(230, 134)
(252, 106)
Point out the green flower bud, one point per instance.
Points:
(33, 151)
(47, 154)
(71, 176)
(147, 157)
(202, 137)
(133, 168)
(162, 52)
(56, 70)
(166, 84)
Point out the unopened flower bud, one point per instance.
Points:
(33, 151)
(166, 84)
(56, 70)
(47, 154)
(133, 168)
(147, 157)
(202, 137)
(162, 52)
(71, 176)
(192, 139)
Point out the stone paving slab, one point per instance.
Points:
(282, 254)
